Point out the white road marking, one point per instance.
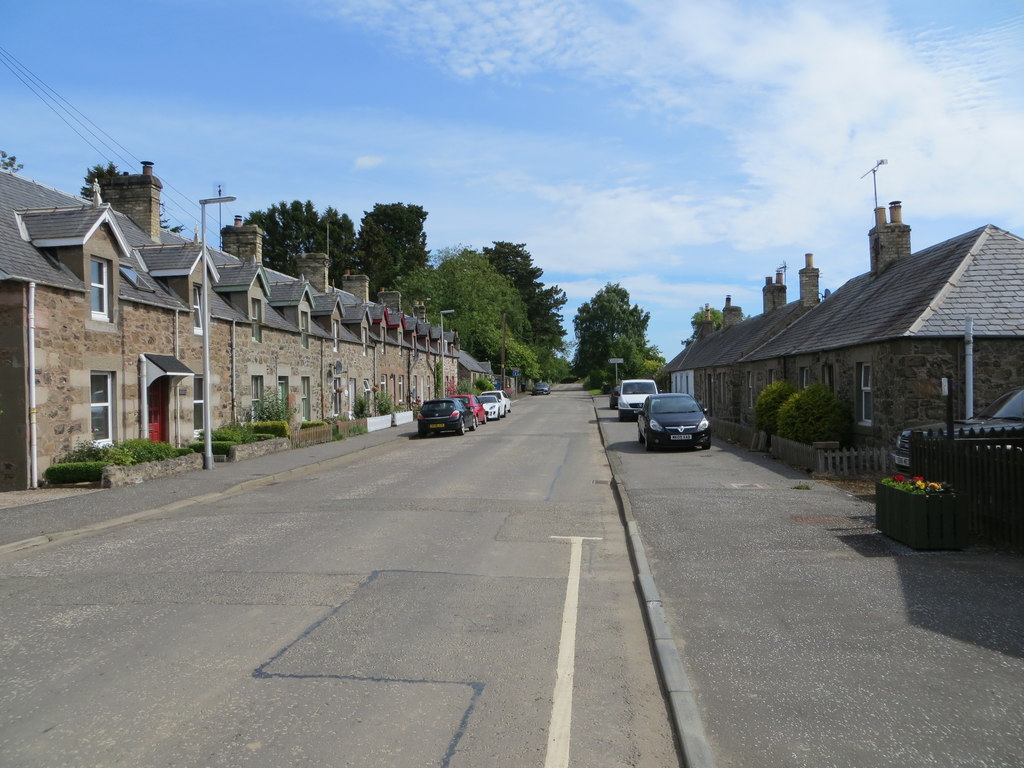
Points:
(561, 704)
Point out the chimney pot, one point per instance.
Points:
(147, 168)
(778, 278)
(728, 301)
(238, 221)
(896, 212)
(808, 260)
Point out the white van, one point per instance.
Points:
(632, 393)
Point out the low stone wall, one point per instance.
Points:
(115, 476)
(245, 451)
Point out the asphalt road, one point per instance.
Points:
(811, 640)
(454, 601)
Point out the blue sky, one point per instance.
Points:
(682, 149)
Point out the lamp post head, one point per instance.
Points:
(212, 200)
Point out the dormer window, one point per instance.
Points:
(256, 319)
(99, 284)
(197, 309)
(304, 328)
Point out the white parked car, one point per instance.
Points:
(632, 393)
(491, 405)
(503, 399)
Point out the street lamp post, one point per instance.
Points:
(207, 332)
(440, 348)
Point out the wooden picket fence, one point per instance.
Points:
(322, 433)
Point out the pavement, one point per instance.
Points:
(792, 634)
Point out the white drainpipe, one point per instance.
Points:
(33, 442)
(969, 367)
(143, 400)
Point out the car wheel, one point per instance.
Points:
(476, 423)
(639, 434)
(648, 444)
(462, 427)
(622, 416)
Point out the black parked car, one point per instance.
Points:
(447, 414)
(1003, 417)
(542, 388)
(673, 420)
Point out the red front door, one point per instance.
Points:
(157, 397)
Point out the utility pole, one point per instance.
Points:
(502, 350)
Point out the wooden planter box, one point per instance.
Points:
(921, 521)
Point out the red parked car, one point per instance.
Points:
(474, 405)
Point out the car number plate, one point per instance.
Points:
(682, 437)
(899, 461)
(437, 426)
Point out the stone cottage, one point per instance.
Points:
(102, 330)
(885, 340)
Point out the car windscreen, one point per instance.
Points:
(487, 399)
(1007, 406)
(438, 409)
(639, 388)
(674, 405)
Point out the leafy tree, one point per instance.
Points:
(766, 409)
(10, 162)
(391, 243)
(542, 302)
(606, 327)
(464, 280)
(293, 228)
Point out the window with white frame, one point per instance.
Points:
(101, 399)
(336, 333)
(365, 335)
(197, 404)
(401, 389)
(256, 318)
(197, 308)
(805, 377)
(282, 389)
(750, 389)
(383, 383)
(306, 399)
(865, 408)
(99, 284)
(257, 392)
(304, 328)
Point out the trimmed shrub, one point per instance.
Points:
(144, 450)
(815, 414)
(766, 409)
(83, 451)
(482, 385)
(234, 433)
(275, 428)
(76, 472)
(217, 447)
(272, 407)
(184, 451)
(309, 424)
(260, 436)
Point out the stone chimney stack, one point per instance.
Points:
(392, 300)
(730, 314)
(138, 197)
(774, 293)
(243, 241)
(706, 326)
(313, 267)
(890, 241)
(358, 286)
(809, 295)
(420, 312)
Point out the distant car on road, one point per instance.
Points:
(476, 407)
(491, 405)
(503, 399)
(632, 393)
(673, 420)
(442, 415)
(613, 398)
(542, 388)
(1003, 417)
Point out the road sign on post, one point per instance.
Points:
(616, 361)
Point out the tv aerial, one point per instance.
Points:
(874, 177)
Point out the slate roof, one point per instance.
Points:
(171, 260)
(978, 274)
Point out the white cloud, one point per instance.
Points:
(367, 161)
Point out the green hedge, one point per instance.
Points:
(766, 409)
(275, 428)
(308, 424)
(76, 472)
(217, 447)
(815, 414)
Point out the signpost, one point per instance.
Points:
(616, 361)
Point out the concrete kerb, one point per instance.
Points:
(686, 718)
